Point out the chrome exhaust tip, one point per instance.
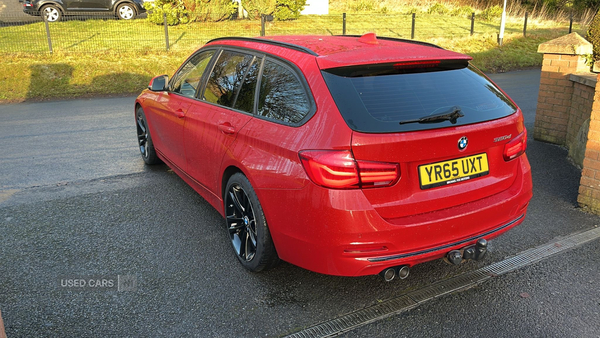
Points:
(403, 271)
(388, 274)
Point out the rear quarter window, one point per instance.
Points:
(374, 100)
(282, 96)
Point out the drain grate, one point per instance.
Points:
(464, 281)
(537, 254)
(356, 319)
(446, 286)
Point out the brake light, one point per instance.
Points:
(416, 64)
(339, 170)
(516, 147)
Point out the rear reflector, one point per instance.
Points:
(339, 170)
(516, 147)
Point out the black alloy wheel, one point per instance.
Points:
(144, 138)
(247, 227)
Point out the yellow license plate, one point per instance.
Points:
(453, 171)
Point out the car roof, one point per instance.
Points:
(348, 50)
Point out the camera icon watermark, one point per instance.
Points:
(117, 283)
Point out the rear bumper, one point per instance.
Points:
(447, 247)
(338, 232)
(29, 10)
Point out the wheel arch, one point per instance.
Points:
(227, 173)
(58, 5)
(149, 123)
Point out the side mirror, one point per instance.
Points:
(159, 83)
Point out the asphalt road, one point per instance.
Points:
(76, 200)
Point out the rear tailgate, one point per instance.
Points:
(414, 194)
(443, 121)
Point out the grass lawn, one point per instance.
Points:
(112, 57)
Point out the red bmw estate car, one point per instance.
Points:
(343, 155)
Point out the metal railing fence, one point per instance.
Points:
(94, 33)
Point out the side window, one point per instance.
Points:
(226, 77)
(282, 96)
(245, 96)
(188, 77)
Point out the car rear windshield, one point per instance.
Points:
(403, 97)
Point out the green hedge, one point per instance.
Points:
(593, 35)
(185, 11)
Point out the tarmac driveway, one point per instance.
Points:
(75, 200)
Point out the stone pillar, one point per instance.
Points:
(562, 56)
(589, 186)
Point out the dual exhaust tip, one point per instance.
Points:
(399, 272)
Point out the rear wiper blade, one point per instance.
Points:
(451, 115)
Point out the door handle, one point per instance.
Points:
(180, 113)
(226, 128)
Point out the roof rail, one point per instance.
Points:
(270, 42)
(416, 42)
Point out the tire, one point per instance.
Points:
(126, 11)
(144, 138)
(52, 13)
(247, 226)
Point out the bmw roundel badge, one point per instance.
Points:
(462, 143)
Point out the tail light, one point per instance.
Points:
(339, 170)
(516, 147)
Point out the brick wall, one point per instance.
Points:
(579, 116)
(568, 111)
(562, 57)
(580, 110)
(589, 186)
(552, 110)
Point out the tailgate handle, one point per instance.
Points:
(226, 128)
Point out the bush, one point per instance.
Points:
(210, 10)
(491, 13)
(438, 8)
(362, 6)
(412, 10)
(184, 11)
(257, 7)
(464, 11)
(593, 35)
(288, 9)
(174, 9)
